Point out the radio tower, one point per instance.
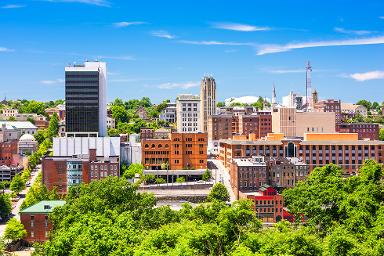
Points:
(308, 89)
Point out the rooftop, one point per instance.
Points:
(43, 206)
(18, 125)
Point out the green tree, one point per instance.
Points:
(218, 192)
(5, 206)
(365, 103)
(53, 128)
(14, 230)
(17, 184)
(119, 114)
(206, 175)
(180, 179)
(220, 104)
(381, 134)
(133, 169)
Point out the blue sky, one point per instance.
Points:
(162, 48)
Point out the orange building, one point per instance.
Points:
(179, 151)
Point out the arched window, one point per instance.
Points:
(146, 146)
(160, 146)
(153, 146)
(291, 152)
(166, 145)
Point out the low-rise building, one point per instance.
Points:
(169, 113)
(27, 145)
(268, 204)
(36, 220)
(179, 151)
(329, 105)
(364, 130)
(315, 149)
(111, 123)
(350, 110)
(59, 110)
(131, 150)
(8, 172)
(23, 127)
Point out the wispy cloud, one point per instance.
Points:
(353, 32)
(124, 24)
(239, 27)
(51, 82)
(122, 57)
(268, 49)
(215, 43)
(102, 3)
(12, 6)
(371, 75)
(3, 49)
(163, 34)
(169, 86)
(381, 17)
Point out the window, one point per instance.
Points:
(32, 234)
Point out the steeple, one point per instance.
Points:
(273, 99)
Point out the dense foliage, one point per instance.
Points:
(31, 106)
(37, 193)
(127, 119)
(5, 205)
(344, 216)
(14, 230)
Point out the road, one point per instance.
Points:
(221, 174)
(16, 205)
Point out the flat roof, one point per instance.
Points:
(43, 206)
(304, 142)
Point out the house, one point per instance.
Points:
(36, 220)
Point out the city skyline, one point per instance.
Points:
(164, 50)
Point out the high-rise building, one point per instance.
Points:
(188, 113)
(208, 100)
(86, 99)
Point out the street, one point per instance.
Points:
(22, 194)
(220, 174)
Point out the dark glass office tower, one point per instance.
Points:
(85, 99)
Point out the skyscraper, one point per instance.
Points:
(86, 99)
(188, 113)
(208, 100)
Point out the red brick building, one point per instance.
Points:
(364, 130)
(8, 153)
(268, 204)
(36, 220)
(179, 151)
(64, 172)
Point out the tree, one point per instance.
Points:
(17, 184)
(206, 175)
(180, 179)
(5, 206)
(53, 128)
(133, 169)
(365, 103)
(119, 114)
(218, 192)
(14, 230)
(220, 104)
(381, 134)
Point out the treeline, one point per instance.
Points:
(128, 120)
(31, 106)
(334, 216)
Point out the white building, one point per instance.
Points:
(130, 152)
(9, 112)
(70, 146)
(11, 130)
(111, 123)
(27, 144)
(188, 113)
(169, 113)
(293, 100)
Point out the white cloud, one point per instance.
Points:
(381, 17)
(268, 49)
(103, 3)
(371, 75)
(3, 49)
(50, 82)
(12, 6)
(124, 24)
(239, 27)
(354, 32)
(215, 43)
(163, 34)
(186, 85)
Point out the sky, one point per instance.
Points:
(160, 48)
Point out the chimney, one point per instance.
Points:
(92, 154)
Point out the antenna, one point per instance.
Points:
(308, 89)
